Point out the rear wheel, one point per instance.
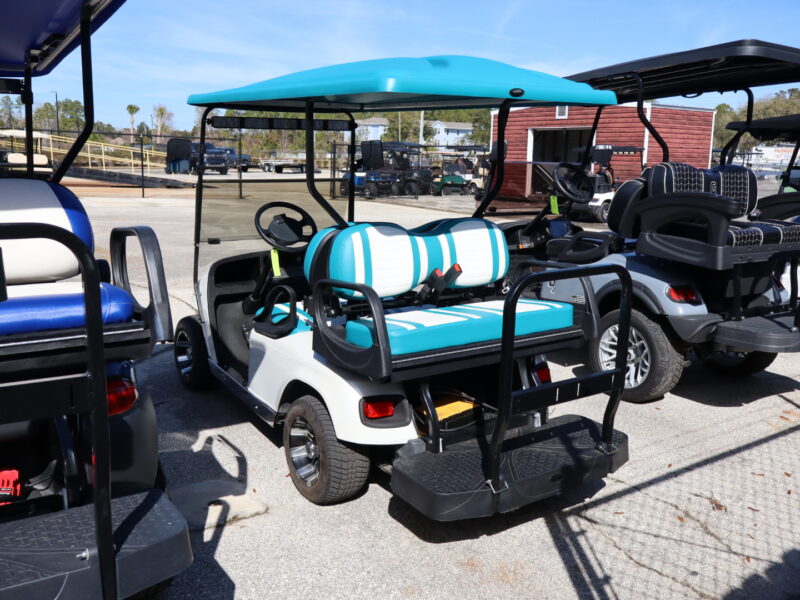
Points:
(411, 189)
(370, 190)
(223, 171)
(446, 191)
(473, 189)
(323, 469)
(654, 364)
(191, 355)
(395, 189)
(738, 364)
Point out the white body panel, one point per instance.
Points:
(274, 364)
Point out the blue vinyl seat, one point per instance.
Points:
(41, 296)
(393, 261)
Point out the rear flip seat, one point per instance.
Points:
(39, 298)
(393, 261)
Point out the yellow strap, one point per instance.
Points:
(554, 205)
(276, 262)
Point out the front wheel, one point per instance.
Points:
(191, 355)
(323, 469)
(473, 189)
(738, 364)
(654, 364)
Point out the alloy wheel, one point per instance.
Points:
(304, 451)
(639, 355)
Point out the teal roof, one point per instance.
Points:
(408, 84)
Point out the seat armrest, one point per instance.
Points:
(779, 206)
(157, 313)
(374, 362)
(713, 210)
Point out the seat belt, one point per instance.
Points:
(437, 283)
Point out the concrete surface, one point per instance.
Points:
(707, 507)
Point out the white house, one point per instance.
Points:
(450, 133)
(371, 128)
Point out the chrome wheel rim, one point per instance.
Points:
(639, 355)
(304, 451)
(604, 212)
(183, 354)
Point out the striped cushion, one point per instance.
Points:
(425, 329)
(393, 260)
(35, 201)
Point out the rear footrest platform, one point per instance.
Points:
(452, 484)
(768, 333)
(54, 555)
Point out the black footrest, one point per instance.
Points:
(54, 555)
(452, 485)
(768, 333)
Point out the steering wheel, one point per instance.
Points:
(573, 182)
(283, 233)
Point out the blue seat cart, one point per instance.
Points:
(83, 513)
(407, 346)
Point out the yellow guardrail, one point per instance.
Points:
(101, 155)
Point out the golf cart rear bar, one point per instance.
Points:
(729, 151)
(95, 389)
(276, 123)
(514, 401)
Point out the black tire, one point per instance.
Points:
(191, 355)
(370, 190)
(265, 168)
(411, 189)
(244, 169)
(473, 189)
(743, 365)
(341, 472)
(395, 189)
(446, 190)
(344, 188)
(464, 190)
(602, 213)
(665, 361)
(223, 171)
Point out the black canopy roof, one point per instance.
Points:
(773, 128)
(720, 68)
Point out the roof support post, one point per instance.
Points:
(587, 154)
(495, 177)
(312, 188)
(88, 93)
(729, 151)
(645, 121)
(27, 100)
(198, 197)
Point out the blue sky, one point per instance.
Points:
(160, 51)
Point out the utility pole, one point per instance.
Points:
(421, 127)
(58, 126)
(399, 129)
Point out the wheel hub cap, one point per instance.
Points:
(639, 355)
(304, 451)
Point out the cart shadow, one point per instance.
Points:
(780, 581)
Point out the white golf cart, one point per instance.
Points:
(405, 345)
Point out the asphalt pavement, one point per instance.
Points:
(707, 507)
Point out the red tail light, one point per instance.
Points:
(121, 395)
(684, 294)
(543, 373)
(378, 409)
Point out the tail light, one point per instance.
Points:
(121, 395)
(542, 372)
(683, 294)
(378, 408)
(778, 283)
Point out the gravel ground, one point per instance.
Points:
(707, 507)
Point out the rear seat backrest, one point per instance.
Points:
(393, 260)
(35, 201)
(740, 183)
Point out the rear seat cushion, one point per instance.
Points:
(60, 305)
(393, 260)
(35, 201)
(425, 329)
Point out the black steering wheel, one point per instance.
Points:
(284, 233)
(573, 182)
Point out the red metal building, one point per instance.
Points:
(555, 134)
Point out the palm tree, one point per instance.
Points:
(161, 114)
(132, 110)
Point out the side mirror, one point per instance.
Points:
(3, 290)
(372, 155)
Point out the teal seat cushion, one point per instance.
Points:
(422, 329)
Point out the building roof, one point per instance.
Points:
(456, 125)
(407, 84)
(373, 121)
